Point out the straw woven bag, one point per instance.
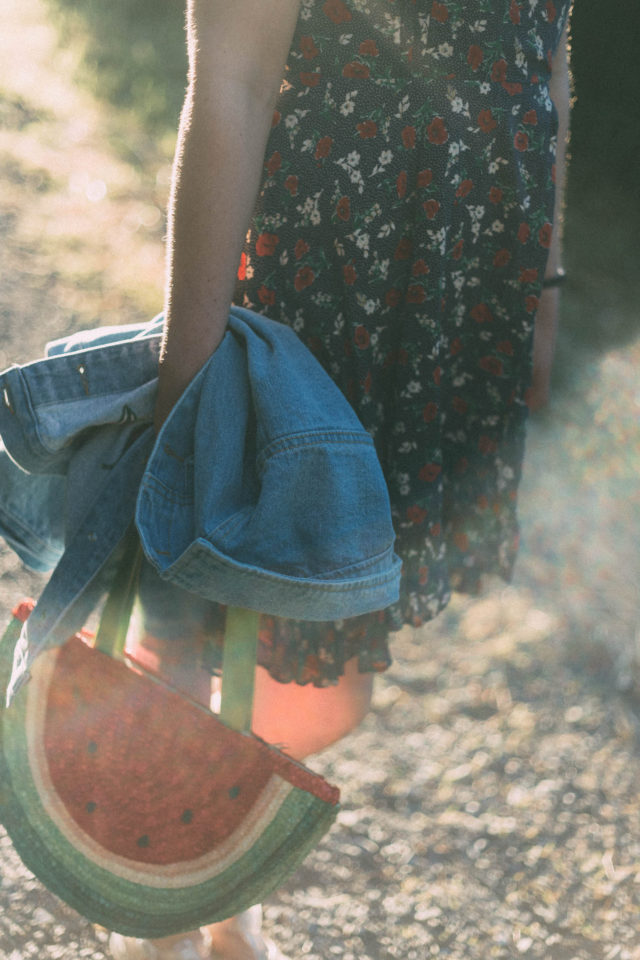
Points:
(143, 810)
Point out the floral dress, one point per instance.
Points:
(402, 230)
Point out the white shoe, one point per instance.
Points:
(190, 946)
(239, 938)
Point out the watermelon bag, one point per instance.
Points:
(141, 809)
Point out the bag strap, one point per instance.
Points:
(239, 667)
(114, 621)
(240, 646)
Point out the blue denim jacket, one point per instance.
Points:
(261, 490)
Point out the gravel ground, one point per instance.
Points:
(490, 799)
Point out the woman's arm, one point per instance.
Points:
(547, 317)
(237, 52)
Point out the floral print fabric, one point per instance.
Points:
(402, 230)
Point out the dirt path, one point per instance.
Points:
(491, 798)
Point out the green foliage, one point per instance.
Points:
(134, 54)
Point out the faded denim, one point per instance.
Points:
(261, 490)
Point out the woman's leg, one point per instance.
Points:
(300, 719)
(306, 719)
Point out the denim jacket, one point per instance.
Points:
(261, 490)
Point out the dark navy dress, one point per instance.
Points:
(402, 230)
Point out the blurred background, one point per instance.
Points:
(503, 745)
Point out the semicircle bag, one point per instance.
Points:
(141, 809)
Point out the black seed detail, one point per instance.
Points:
(92, 747)
(143, 841)
(233, 792)
(187, 816)
(91, 807)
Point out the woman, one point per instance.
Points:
(393, 200)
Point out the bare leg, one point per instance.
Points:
(302, 720)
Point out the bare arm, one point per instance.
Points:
(237, 53)
(547, 317)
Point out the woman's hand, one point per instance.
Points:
(237, 53)
(547, 316)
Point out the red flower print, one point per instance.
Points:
(393, 297)
(291, 184)
(368, 49)
(531, 303)
(437, 376)
(430, 412)
(487, 445)
(301, 248)
(530, 117)
(242, 269)
(512, 88)
(308, 47)
(356, 70)
(303, 278)
(529, 276)
(366, 386)
(456, 253)
(274, 163)
(521, 141)
(462, 465)
(403, 250)
(486, 121)
(266, 244)
(419, 268)
(492, 365)
(439, 12)
(475, 56)
(276, 118)
(425, 177)
(409, 137)
(502, 258)
(401, 183)
(323, 147)
(551, 10)
(266, 296)
(456, 347)
(429, 472)
(482, 502)
(367, 129)
(544, 235)
(343, 208)
(416, 514)
(336, 11)
(495, 195)
(431, 208)
(481, 313)
(437, 132)
(506, 347)
(514, 12)
(499, 71)
(415, 293)
(423, 576)
(435, 530)
(459, 405)
(465, 188)
(361, 337)
(391, 358)
(310, 79)
(349, 274)
(461, 541)
(524, 232)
